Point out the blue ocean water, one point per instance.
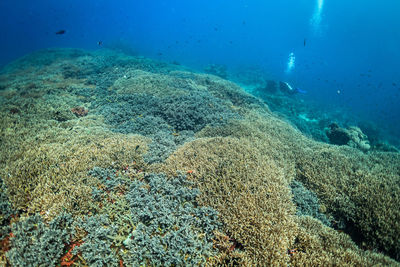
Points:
(142, 158)
(346, 53)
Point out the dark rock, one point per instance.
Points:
(337, 135)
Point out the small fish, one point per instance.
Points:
(61, 32)
(304, 42)
(99, 43)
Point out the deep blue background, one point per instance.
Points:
(356, 49)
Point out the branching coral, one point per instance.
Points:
(317, 244)
(36, 244)
(248, 190)
(241, 157)
(55, 175)
(171, 228)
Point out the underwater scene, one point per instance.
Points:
(200, 133)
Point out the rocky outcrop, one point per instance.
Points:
(352, 136)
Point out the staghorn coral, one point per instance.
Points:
(222, 89)
(115, 206)
(244, 166)
(54, 175)
(360, 190)
(166, 120)
(319, 245)
(136, 81)
(194, 111)
(108, 177)
(190, 112)
(247, 189)
(109, 201)
(356, 188)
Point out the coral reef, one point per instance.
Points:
(171, 229)
(172, 167)
(6, 211)
(358, 190)
(217, 70)
(247, 189)
(79, 111)
(108, 177)
(167, 117)
(317, 244)
(96, 245)
(362, 191)
(51, 176)
(307, 203)
(36, 244)
(352, 136)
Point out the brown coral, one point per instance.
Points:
(79, 111)
(249, 191)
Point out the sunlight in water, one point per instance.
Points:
(290, 64)
(316, 18)
(320, 3)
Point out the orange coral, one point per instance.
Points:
(68, 259)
